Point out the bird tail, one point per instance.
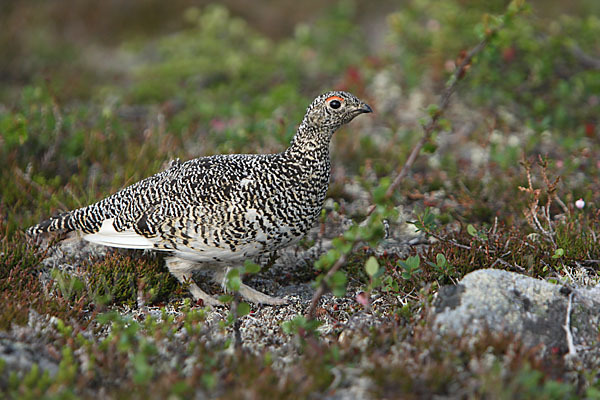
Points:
(63, 223)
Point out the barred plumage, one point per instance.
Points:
(220, 210)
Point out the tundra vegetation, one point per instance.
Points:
(483, 152)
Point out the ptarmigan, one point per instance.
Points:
(215, 212)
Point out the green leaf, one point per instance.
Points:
(233, 272)
(558, 253)
(337, 242)
(327, 260)
(371, 266)
(381, 189)
(339, 291)
(379, 194)
(445, 124)
(225, 298)
(413, 262)
(390, 284)
(233, 279)
(440, 259)
(429, 219)
(243, 309)
(250, 267)
(346, 247)
(475, 233)
(425, 221)
(293, 325)
(338, 279)
(472, 231)
(429, 147)
(410, 266)
(342, 245)
(338, 284)
(323, 214)
(432, 110)
(350, 235)
(287, 327)
(234, 283)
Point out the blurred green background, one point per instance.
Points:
(64, 40)
(95, 95)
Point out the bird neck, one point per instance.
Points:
(311, 141)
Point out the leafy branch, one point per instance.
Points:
(436, 111)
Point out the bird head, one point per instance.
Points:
(333, 109)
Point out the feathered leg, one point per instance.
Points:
(252, 295)
(182, 270)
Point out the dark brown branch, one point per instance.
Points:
(430, 126)
(310, 314)
(237, 323)
(428, 130)
(585, 59)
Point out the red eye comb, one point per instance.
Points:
(334, 98)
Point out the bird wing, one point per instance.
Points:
(133, 217)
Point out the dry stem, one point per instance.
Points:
(567, 328)
(535, 210)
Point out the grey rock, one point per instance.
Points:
(20, 357)
(533, 310)
(25, 347)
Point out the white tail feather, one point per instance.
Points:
(109, 236)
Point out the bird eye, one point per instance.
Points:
(335, 104)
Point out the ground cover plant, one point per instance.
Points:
(483, 152)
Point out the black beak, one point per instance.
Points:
(365, 108)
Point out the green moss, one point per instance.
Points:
(119, 278)
(21, 289)
(578, 236)
(18, 282)
(434, 366)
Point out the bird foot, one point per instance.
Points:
(249, 294)
(257, 297)
(206, 298)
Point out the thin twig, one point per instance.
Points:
(26, 178)
(507, 264)
(567, 327)
(451, 241)
(236, 324)
(310, 314)
(562, 204)
(585, 59)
